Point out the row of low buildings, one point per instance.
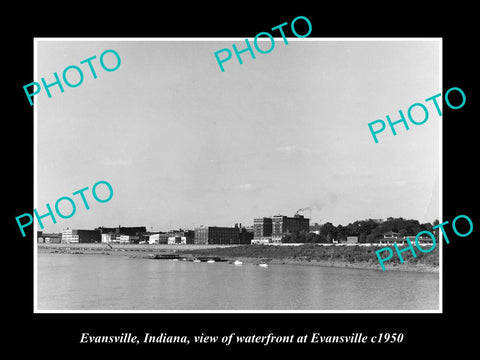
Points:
(139, 235)
(264, 230)
(204, 235)
(116, 235)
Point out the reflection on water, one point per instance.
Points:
(83, 282)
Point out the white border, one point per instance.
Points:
(35, 179)
(123, 39)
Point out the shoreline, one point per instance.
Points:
(145, 254)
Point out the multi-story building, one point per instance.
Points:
(284, 225)
(201, 235)
(163, 238)
(182, 237)
(121, 234)
(217, 235)
(273, 229)
(262, 227)
(80, 236)
(158, 238)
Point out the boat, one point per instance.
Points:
(262, 264)
(210, 261)
(196, 260)
(237, 262)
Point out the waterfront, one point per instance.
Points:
(101, 282)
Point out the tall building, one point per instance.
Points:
(284, 225)
(273, 229)
(262, 227)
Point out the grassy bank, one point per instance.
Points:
(307, 254)
(312, 254)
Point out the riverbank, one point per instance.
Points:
(362, 257)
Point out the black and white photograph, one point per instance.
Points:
(176, 186)
(230, 180)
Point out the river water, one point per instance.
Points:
(100, 282)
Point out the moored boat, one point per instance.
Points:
(237, 262)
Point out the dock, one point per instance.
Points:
(186, 258)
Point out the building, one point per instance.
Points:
(273, 229)
(262, 227)
(352, 239)
(106, 238)
(246, 234)
(392, 240)
(315, 228)
(138, 230)
(144, 238)
(201, 235)
(130, 235)
(261, 241)
(181, 237)
(189, 236)
(249, 228)
(421, 239)
(390, 234)
(284, 225)
(79, 236)
(49, 238)
(127, 239)
(217, 235)
(277, 238)
(158, 238)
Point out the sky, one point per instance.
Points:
(183, 144)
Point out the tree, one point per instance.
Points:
(362, 238)
(329, 238)
(341, 233)
(299, 238)
(328, 230)
(371, 238)
(312, 238)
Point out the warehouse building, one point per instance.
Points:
(73, 236)
(222, 235)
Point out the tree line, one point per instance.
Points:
(367, 231)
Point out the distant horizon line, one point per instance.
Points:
(383, 219)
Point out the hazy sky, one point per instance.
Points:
(183, 144)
